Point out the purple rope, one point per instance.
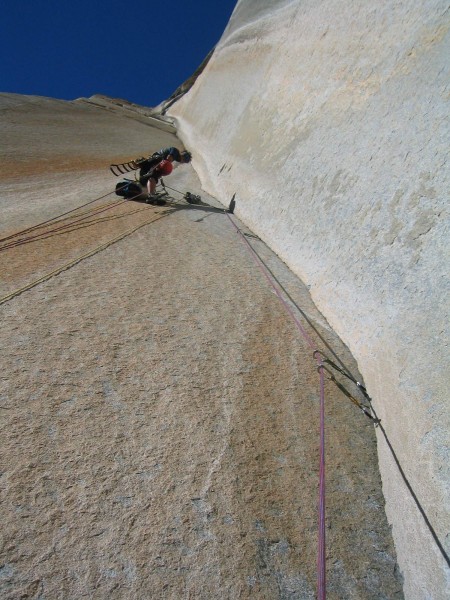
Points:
(321, 578)
(261, 267)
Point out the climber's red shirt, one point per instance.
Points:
(163, 168)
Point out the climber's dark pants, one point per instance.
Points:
(145, 171)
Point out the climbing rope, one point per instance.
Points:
(55, 218)
(368, 411)
(321, 574)
(171, 188)
(71, 227)
(321, 544)
(37, 234)
(302, 312)
(318, 355)
(349, 395)
(61, 230)
(75, 261)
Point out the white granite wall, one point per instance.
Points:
(328, 121)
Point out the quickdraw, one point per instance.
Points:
(359, 385)
(349, 396)
(123, 168)
(331, 377)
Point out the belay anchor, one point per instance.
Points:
(192, 198)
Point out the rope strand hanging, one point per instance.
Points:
(321, 358)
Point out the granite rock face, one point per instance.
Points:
(158, 409)
(329, 121)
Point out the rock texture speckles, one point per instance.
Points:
(336, 146)
(159, 421)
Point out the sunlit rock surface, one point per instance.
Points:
(329, 120)
(159, 412)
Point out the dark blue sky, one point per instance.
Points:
(138, 50)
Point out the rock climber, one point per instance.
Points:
(151, 178)
(171, 154)
(151, 169)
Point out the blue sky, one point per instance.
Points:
(139, 50)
